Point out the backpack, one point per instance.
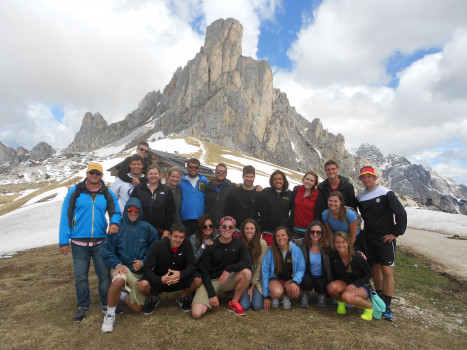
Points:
(359, 218)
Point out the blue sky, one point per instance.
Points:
(388, 73)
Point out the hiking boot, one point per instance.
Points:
(108, 324)
(304, 302)
(118, 310)
(367, 314)
(321, 300)
(237, 308)
(340, 307)
(151, 305)
(81, 313)
(184, 303)
(274, 302)
(286, 303)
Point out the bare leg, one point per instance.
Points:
(198, 310)
(388, 280)
(113, 295)
(276, 290)
(377, 276)
(336, 288)
(359, 297)
(288, 291)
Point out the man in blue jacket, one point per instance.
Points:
(126, 252)
(83, 223)
(192, 187)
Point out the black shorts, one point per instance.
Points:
(379, 252)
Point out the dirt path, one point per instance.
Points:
(450, 253)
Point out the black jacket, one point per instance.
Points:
(361, 271)
(161, 258)
(214, 203)
(275, 209)
(158, 207)
(231, 257)
(124, 167)
(345, 187)
(243, 204)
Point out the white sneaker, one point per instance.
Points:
(108, 324)
(321, 300)
(286, 303)
(274, 302)
(305, 302)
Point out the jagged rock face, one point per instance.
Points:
(10, 156)
(413, 180)
(42, 151)
(7, 154)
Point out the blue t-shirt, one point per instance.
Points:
(315, 264)
(337, 225)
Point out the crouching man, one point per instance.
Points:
(170, 267)
(225, 266)
(126, 252)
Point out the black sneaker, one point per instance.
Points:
(184, 303)
(151, 306)
(80, 314)
(118, 310)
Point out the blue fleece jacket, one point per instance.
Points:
(267, 268)
(133, 241)
(192, 206)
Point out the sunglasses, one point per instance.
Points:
(228, 227)
(133, 210)
(208, 226)
(221, 171)
(193, 166)
(313, 232)
(95, 172)
(143, 150)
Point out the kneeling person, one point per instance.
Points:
(170, 267)
(126, 252)
(225, 265)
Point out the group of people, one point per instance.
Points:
(265, 247)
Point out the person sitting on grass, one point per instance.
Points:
(126, 252)
(225, 266)
(170, 267)
(282, 270)
(317, 265)
(351, 276)
(250, 234)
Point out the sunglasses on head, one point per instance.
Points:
(143, 150)
(193, 166)
(133, 210)
(221, 171)
(208, 226)
(313, 232)
(227, 227)
(95, 172)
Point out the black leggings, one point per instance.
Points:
(310, 282)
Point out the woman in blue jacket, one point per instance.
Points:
(282, 270)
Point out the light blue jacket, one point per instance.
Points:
(267, 268)
(192, 206)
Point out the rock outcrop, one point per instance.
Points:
(10, 156)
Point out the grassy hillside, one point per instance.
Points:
(38, 304)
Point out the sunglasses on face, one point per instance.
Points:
(227, 227)
(95, 172)
(133, 210)
(313, 232)
(221, 171)
(208, 226)
(193, 166)
(143, 150)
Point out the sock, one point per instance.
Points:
(111, 310)
(380, 293)
(387, 301)
(122, 295)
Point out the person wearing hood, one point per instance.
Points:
(126, 253)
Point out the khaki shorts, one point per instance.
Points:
(201, 296)
(131, 285)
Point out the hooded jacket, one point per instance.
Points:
(133, 241)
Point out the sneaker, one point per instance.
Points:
(304, 302)
(286, 303)
(237, 308)
(184, 303)
(340, 307)
(321, 300)
(274, 302)
(151, 306)
(80, 314)
(387, 315)
(108, 324)
(118, 310)
(367, 314)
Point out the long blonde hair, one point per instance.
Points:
(350, 251)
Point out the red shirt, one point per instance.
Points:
(304, 208)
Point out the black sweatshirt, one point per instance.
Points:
(361, 271)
